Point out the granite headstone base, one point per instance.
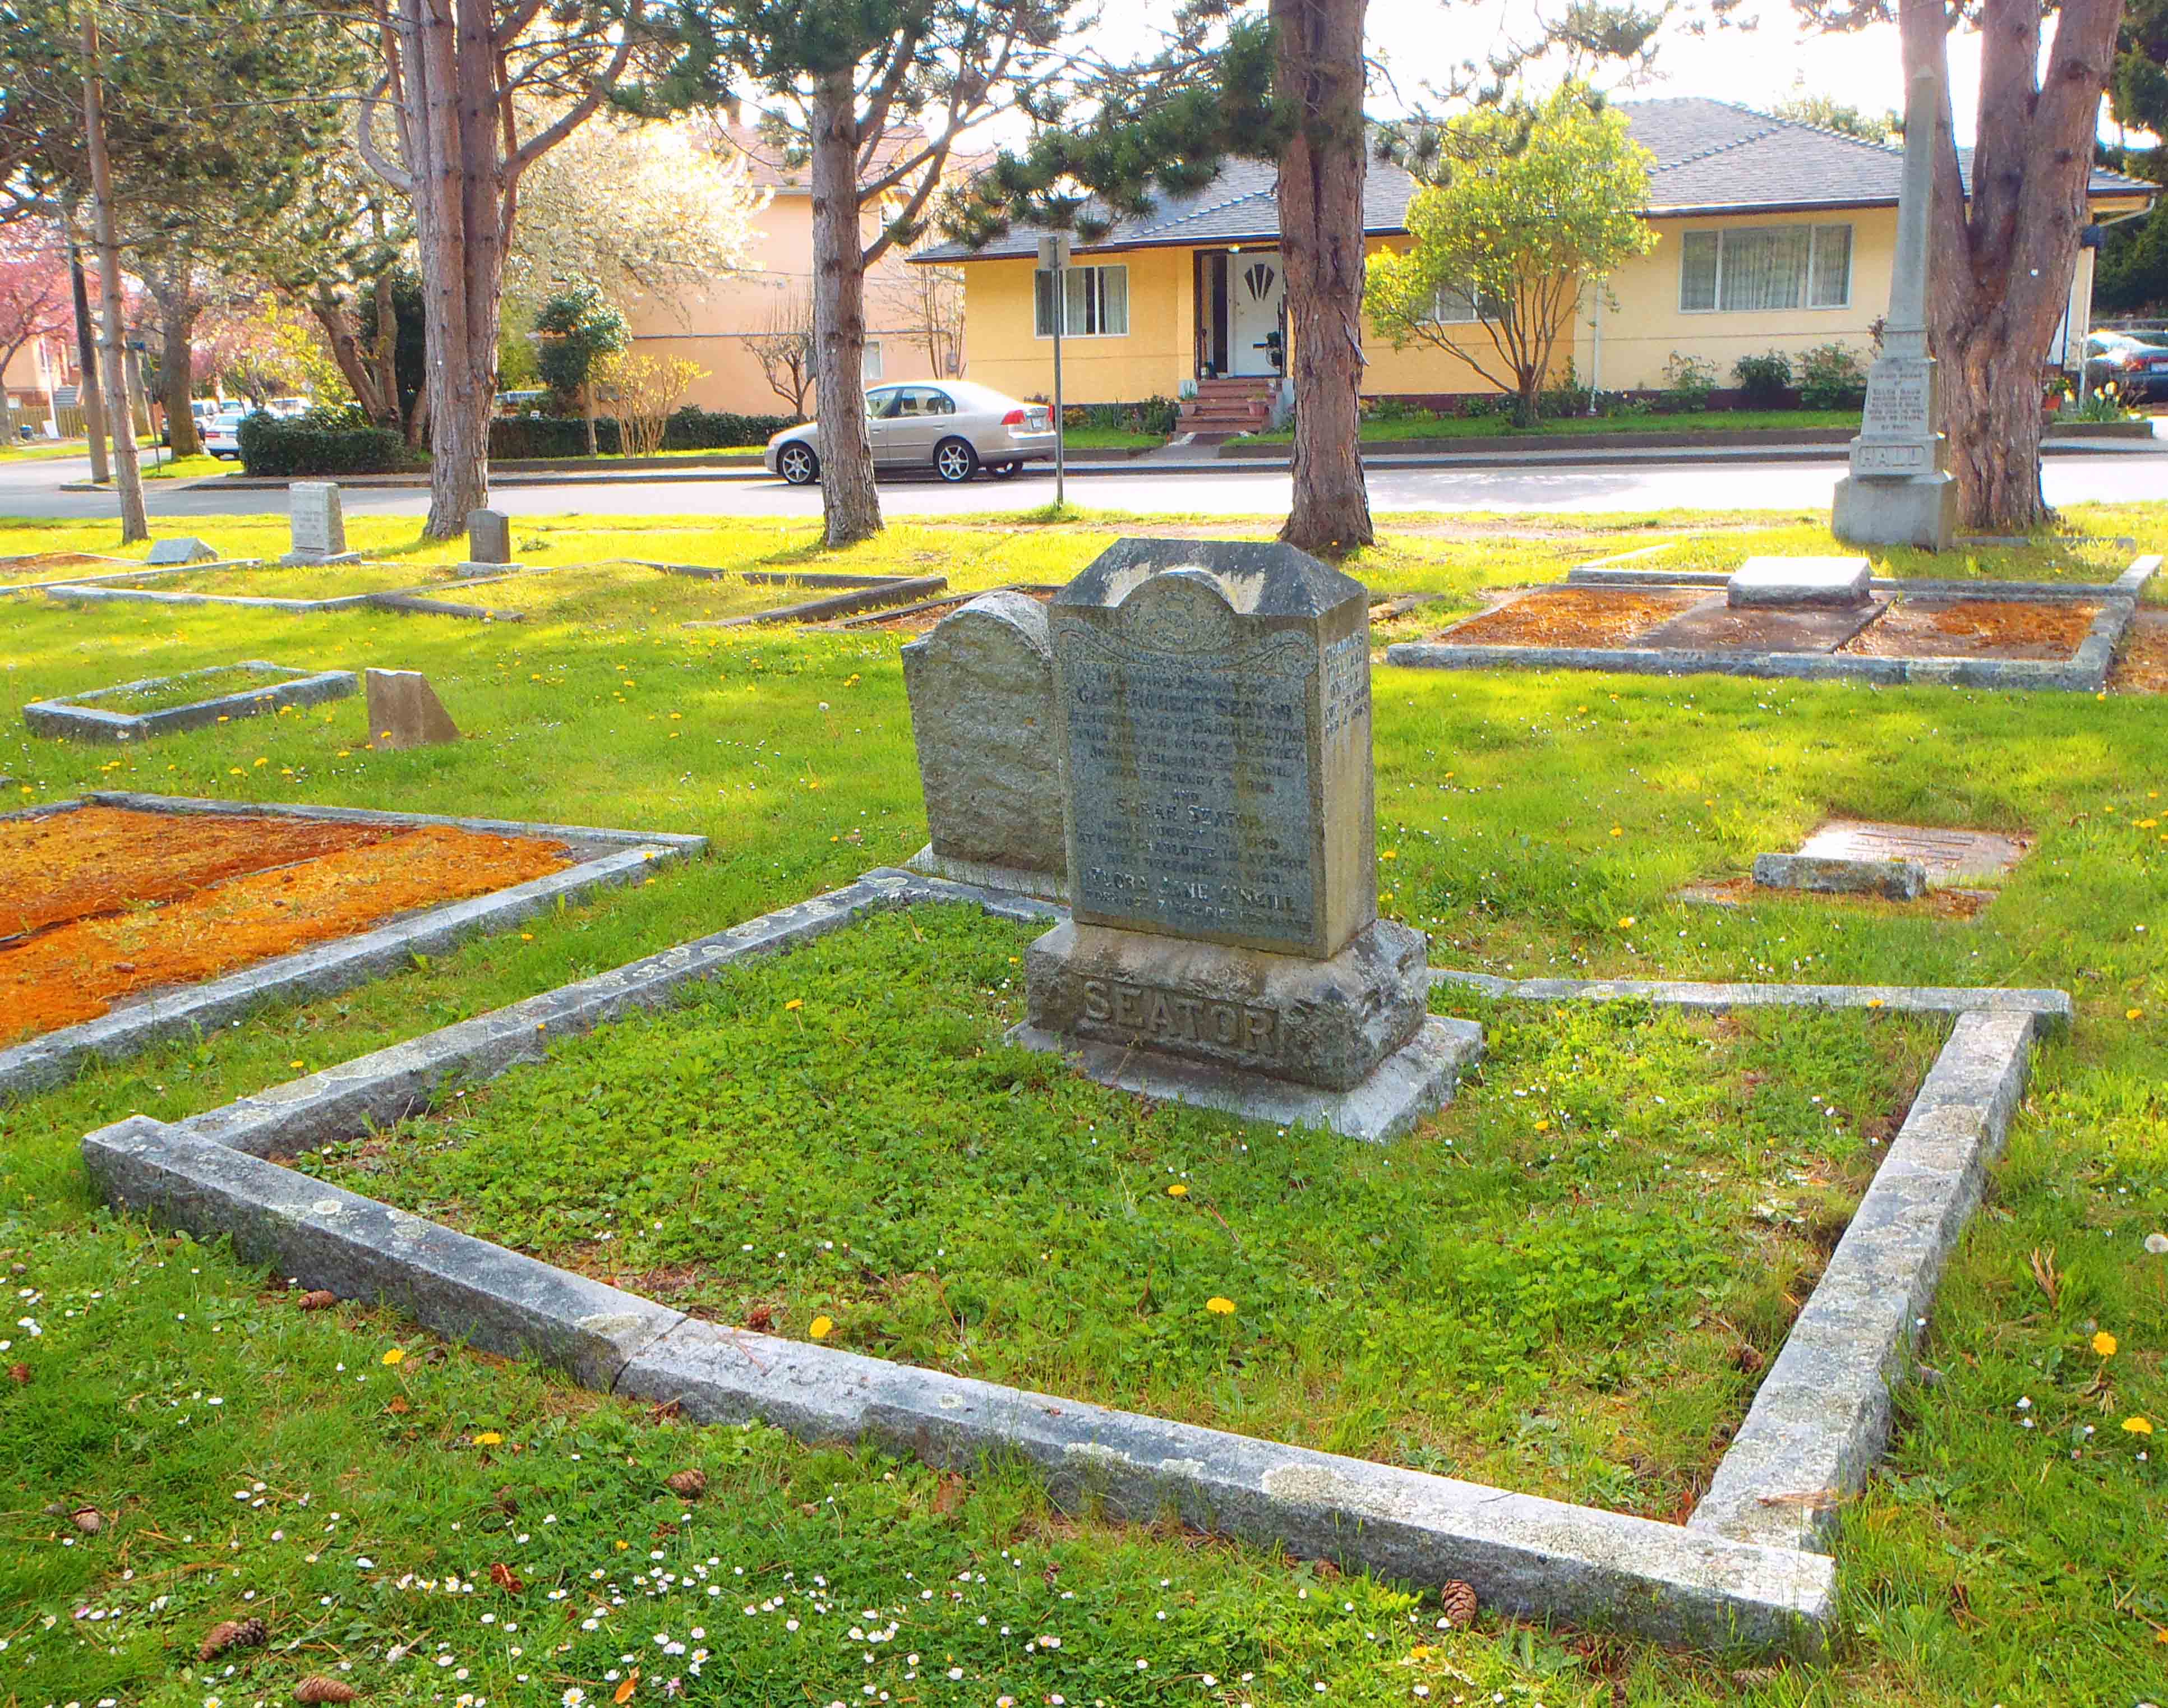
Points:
(1416, 1079)
(1325, 1025)
(1920, 509)
(294, 559)
(1006, 880)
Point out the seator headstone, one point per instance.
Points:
(186, 548)
(1224, 946)
(405, 712)
(489, 539)
(1899, 490)
(981, 691)
(318, 524)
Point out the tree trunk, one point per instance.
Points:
(848, 499)
(127, 477)
(2005, 258)
(177, 358)
(1317, 71)
(86, 362)
(354, 365)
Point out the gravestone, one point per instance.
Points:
(1899, 490)
(489, 542)
(982, 690)
(405, 712)
(1224, 946)
(186, 548)
(317, 524)
(1840, 583)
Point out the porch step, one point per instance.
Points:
(1227, 406)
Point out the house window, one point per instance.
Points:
(1099, 305)
(1754, 268)
(1454, 306)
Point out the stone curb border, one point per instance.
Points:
(2085, 671)
(125, 569)
(888, 590)
(2130, 585)
(80, 717)
(1746, 1573)
(608, 858)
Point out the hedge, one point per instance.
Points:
(271, 446)
(550, 436)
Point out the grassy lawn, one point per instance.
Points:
(1535, 822)
(195, 467)
(1562, 1296)
(1099, 438)
(42, 450)
(186, 690)
(1708, 421)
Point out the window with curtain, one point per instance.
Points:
(1455, 306)
(1748, 269)
(1098, 304)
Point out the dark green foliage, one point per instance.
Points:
(1155, 415)
(314, 444)
(693, 429)
(690, 429)
(1765, 379)
(1831, 377)
(577, 324)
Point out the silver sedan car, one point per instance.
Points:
(952, 427)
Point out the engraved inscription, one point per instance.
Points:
(1190, 783)
(1897, 399)
(1346, 683)
(1889, 460)
(1146, 1011)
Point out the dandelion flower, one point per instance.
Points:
(1543, 1126)
(1219, 1307)
(2137, 1426)
(1178, 1189)
(2133, 1014)
(1625, 921)
(1616, 831)
(489, 1438)
(2104, 1344)
(395, 1355)
(795, 1002)
(822, 1327)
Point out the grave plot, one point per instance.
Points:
(2060, 635)
(312, 583)
(1563, 1286)
(192, 700)
(127, 918)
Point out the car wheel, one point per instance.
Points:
(798, 464)
(1004, 471)
(954, 461)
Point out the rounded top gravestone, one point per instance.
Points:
(1214, 707)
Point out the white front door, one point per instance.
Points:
(1257, 286)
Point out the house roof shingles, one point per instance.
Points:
(1710, 157)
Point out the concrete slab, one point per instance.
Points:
(1838, 582)
(1719, 625)
(1830, 874)
(1947, 856)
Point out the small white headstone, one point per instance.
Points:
(186, 549)
(317, 522)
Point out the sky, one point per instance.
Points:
(1421, 41)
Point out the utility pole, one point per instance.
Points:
(127, 476)
(1054, 259)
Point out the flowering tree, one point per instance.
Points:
(34, 300)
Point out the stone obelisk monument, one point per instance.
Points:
(1899, 490)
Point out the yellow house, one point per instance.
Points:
(1770, 236)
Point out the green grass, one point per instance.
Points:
(1710, 420)
(169, 467)
(1099, 438)
(1573, 1257)
(43, 450)
(188, 688)
(1984, 1563)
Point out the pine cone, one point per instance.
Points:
(232, 1634)
(691, 1484)
(317, 1688)
(1458, 1601)
(322, 1299)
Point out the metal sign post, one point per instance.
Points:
(1054, 259)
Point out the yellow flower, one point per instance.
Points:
(2133, 1014)
(1219, 1307)
(527, 937)
(395, 1355)
(1617, 831)
(795, 1002)
(1625, 921)
(489, 1438)
(2137, 1426)
(1389, 854)
(2104, 1344)
(292, 1065)
(1177, 1190)
(1543, 1126)
(822, 1327)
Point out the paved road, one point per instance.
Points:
(1803, 482)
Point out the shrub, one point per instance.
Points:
(1397, 409)
(514, 436)
(1155, 415)
(1764, 379)
(1831, 378)
(1689, 380)
(1485, 407)
(696, 429)
(1568, 397)
(322, 442)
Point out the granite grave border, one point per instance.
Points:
(1749, 1571)
(605, 857)
(2085, 671)
(79, 715)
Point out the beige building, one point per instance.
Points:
(914, 316)
(1770, 236)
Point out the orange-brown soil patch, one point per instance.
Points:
(2141, 667)
(2012, 629)
(1576, 616)
(78, 969)
(99, 859)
